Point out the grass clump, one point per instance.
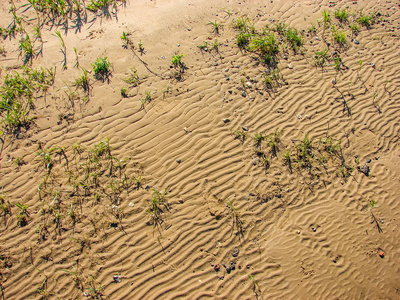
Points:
(266, 46)
(294, 38)
(339, 37)
(17, 96)
(102, 68)
(342, 15)
(157, 204)
(321, 57)
(216, 26)
(246, 31)
(23, 214)
(366, 20)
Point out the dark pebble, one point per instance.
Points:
(178, 161)
(369, 160)
(244, 94)
(356, 42)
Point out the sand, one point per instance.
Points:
(292, 233)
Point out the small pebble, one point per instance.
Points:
(178, 161)
(356, 42)
(244, 94)
(226, 120)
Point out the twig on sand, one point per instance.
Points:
(376, 222)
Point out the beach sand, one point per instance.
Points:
(177, 189)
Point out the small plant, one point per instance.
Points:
(76, 58)
(133, 79)
(365, 20)
(305, 153)
(330, 146)
(337, 63)
(312, 29)
(101, 68)
(215, 45)
(241, 23)
(273, 141)
(203, 46)
(239, 135)
(126, 40)
(18, 161)
(124, 92)
(372, 203)
(236, 217)
(63, 48)
(266, 46)
(257, 138)
(270, 77)
(141, 48)
(326, 18)
(156, 204)
(287, 160)
(216, 26)
(256, 287)
(83, 81)
(345, 171)
(321, 57)
(355, 29)
(26, 49)
(294, 38)
(342, 15)
(23, 214)
(177, 60)
(339, 37)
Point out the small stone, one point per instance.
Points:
(235, 252)
(244, 94)
(290, 66)
(147, 187)
(179, 45)
(369, 160)
(230, 92)
(249, 85)
(381, 254)
(261, 92)
(285, 57)
(131, 204)
(317, 38)
(226, 120)
(180, 201)
(216, 267)
(245, 128)
(364, 169)
(178, 161)
(357, 42)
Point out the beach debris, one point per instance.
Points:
(299, 117)
(381, 254)
(364, 169)
(357, 42)
(226, 120)
(163, 57)
(147, 187)
(245, 128)
(244, 94)
(131, 204)
(235, 252)
(216, 267)
(178, 161)
(117, 278)
(290, 66)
